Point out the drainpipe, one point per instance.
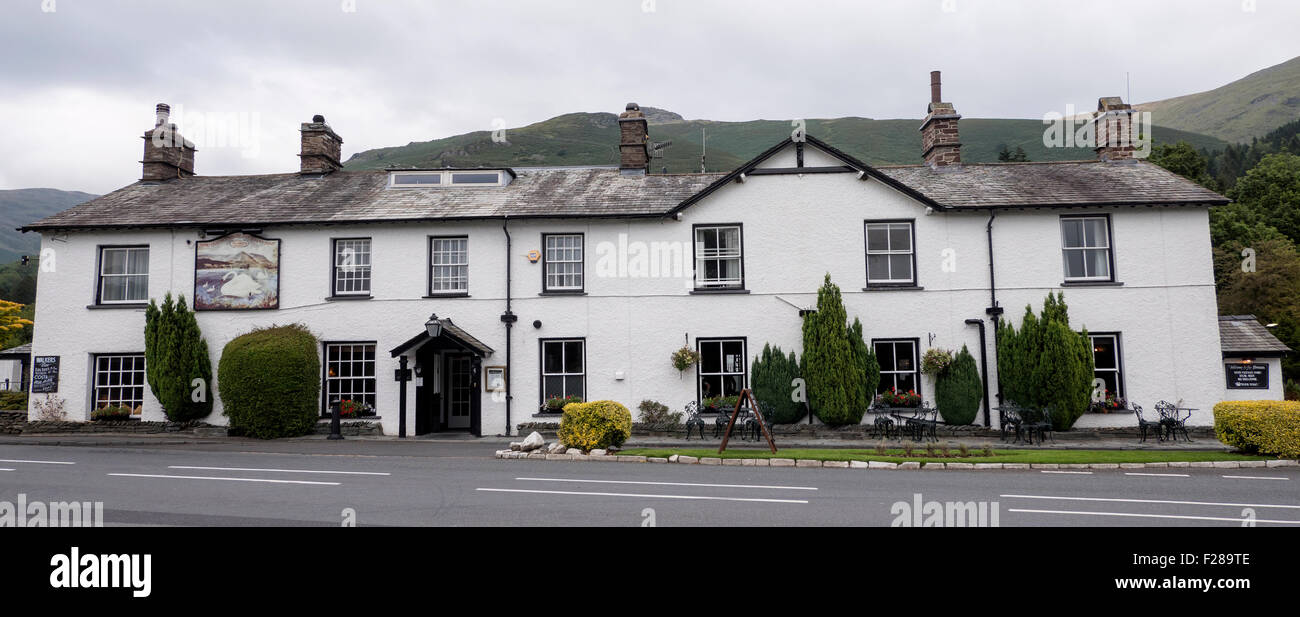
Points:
(994, 312)
(508, 318)
(984, 369)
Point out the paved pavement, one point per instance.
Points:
(415, 483)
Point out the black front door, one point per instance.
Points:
(427, 402)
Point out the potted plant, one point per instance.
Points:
(720, 404)
(894, 398)
(555, 404)
(1108, 403)
(354, 409)
(111, 413)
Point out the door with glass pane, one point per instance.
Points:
(460, 390)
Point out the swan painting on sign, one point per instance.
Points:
(237, 272)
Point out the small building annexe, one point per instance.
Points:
(583, 281)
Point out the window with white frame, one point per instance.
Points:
(898, 365)
(723, 369)
(719, 257)
(123, 274)
(449, 265)
(563, 262)
(564, 368)
(119, 381)
(891, 254)
(1085, 245)
(350, 374)
(352, 266)
(1107, 364)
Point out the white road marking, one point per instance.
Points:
(641, 496)
(2, 469)
(1159, 475)
(5, 460)
(1257, 478)
(350, 473)
(146, 475)
(785, 488)
(1168, 501)
(1082, 473)
(1137, 515)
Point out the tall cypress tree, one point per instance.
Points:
(866, 367)
(1046, 364)
(772, 374)
(958, 389)
(175, 355)
(832, 376)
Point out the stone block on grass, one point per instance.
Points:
(909, 465)
(781, 462)
(881, 465)
(859, 465)
(710, 460)
(836, 464)
(803, 462)
(1227, 465)
(687, 460)
(959, 465)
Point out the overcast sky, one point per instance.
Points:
(79, 78)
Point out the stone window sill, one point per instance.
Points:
(893, 288)
(1092, 284)
(345, 298)
(717, 292)
(100, 307)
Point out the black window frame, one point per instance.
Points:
(866, 254)
(541, 365)
(334, 269)
(325, 377)
(428, 268)
(1120, 386)
(99, 275)
(695, 258)
(546, 289)
(1110, 249)
(916, 362)
(699, 369)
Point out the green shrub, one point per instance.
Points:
(835, 380)
(111, 413)
(865, 366)
(13, 401)
(771, 377)
(654, 413)
(269, 380)
(1046, 364)
(958, 389)
(1263, 427)
(175, 355)
(595, 425)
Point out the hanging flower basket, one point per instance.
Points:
(935, 361)
(685, 358)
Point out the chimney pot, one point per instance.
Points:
(940, 140)
(1113, 129)
(318, 119)
(936, 91)
(163, 112)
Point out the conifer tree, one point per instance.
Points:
(958, 389)
(832, 376)
(176, 354)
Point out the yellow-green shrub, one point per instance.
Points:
(1266, 427)
(598, 424)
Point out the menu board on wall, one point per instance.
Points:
(45, 374)
(1247, 376)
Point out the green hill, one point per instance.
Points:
(1240, 111)
(592, 139)
(22, 206)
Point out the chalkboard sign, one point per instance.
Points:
(1247, 376)
(45, 374)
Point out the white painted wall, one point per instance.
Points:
(796, 229)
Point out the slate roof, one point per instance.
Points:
(1082, 183)
(1243, 334)
(363, 196)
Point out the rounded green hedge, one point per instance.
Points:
(269, 381)
(595, 425)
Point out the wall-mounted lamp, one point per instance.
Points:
(419, 370)
(1247, 360)
(433, 326)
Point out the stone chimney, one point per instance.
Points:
(634, 141)
(167, 155)
(1113, 127)
(321, 147)
(940, 142)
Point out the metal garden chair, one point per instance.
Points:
(1145, 425)
(693, 420)
(1009, 418)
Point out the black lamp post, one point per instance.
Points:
(336, 430)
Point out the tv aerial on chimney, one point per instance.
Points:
(657, 149)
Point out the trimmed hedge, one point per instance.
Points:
(595, 425)
(771, 376)
(269, 381)
(1263, 427)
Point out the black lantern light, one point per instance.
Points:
(433, 326)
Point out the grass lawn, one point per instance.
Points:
(999, 456)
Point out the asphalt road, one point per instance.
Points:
(460, 484)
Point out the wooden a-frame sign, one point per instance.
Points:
(740, 400)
